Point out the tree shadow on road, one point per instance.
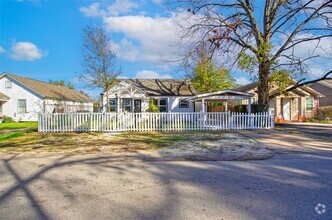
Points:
(225, 186)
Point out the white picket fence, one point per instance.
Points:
(113, 122)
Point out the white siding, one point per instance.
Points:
(174, 101)
(34, 103)
(68, 106)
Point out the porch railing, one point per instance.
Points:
(114, 122)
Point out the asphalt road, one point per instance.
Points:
(320, 130)
(288, 186)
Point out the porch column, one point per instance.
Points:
(249, 106)
(132, 105)
(118, 104)
(226, 106)
(203, 105)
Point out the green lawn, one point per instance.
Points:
(15, 134)
(18, 125)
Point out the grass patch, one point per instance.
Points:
(18, 125)
(15, 134)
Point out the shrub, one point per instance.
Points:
(7, 120)
(152, 106)
(324, 112)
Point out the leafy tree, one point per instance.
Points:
(208, 78)
(61, 83)
(262, 37)
(99, 64)
(152, 106)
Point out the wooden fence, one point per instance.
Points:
(113, 122)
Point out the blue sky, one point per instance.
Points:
(41, 39)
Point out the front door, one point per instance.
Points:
(137, 105)
(287, 109)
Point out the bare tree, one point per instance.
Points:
(99, 66)
(259, 36)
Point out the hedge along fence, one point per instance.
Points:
(114, 122)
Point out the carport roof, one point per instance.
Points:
(221, 95)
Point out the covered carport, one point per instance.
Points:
(222, 96)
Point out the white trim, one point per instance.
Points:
(218, 94)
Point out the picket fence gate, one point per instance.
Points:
(171, 121)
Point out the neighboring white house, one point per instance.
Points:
(168, 95)
(23, 98)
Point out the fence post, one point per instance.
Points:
(39, 122)
(230, 120)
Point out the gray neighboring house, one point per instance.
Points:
(23, 98)
(324, 87)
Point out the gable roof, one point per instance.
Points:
(327, 83)
(247, 87)
(251, 86)
(164, 87)
(49, 91)
(3, 97)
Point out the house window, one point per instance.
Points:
(126, 105)
(309, 104)
(112, 105)
(161, 104)
(21, 106)
(8, 84)
(184, 103)
(252, 100)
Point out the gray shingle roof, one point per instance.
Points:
(164, 87)
(50, 91)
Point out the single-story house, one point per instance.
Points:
(297, 105)
(168, 95)
(324, 87)
(23, 98)
(179, 95)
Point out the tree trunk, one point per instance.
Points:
(107, 103)
(263, 86)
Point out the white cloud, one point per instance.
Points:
(26, 51)
(157, 1)
(91, 11)
(145, 38)
(147, 74)
(121, 7)
(2, 50)
(321, 50)
(117, 8)
(242, 81)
